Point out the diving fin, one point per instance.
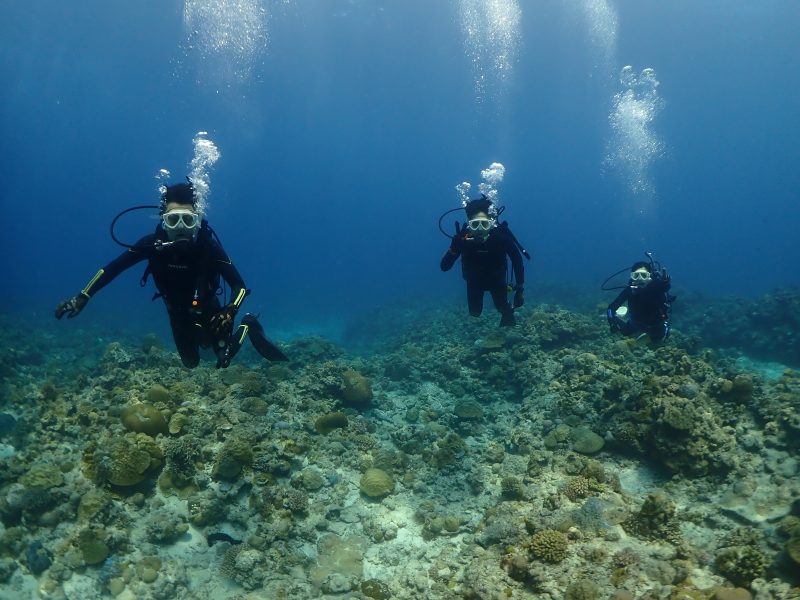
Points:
(263, 346)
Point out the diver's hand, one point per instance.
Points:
(222, 322)
(72, 307)
(457, 245)
(519, 297)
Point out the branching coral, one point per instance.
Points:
(741, 558)
(549, 545)
(182, 453)
(655, 520)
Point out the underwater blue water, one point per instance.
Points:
(345, 125)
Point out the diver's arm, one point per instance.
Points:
(123, 262)
(611, 312)
(449, 259)
(663, 282)
(230, 274)
(516, 262)
(221, 323)
(73, 306)
(619, 300)
(456, 246)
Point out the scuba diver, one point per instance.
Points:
(483, 245)
(648, 302)
(186, 260)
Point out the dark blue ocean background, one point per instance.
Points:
(343, 144)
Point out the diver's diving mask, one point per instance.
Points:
(480, 225)
(640, 277)
(180, 224)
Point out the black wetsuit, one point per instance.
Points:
(483, 266)
(186, 275)
(648, 309)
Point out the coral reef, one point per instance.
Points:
(446, 460)
(761, 327)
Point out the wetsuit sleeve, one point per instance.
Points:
(619, 301)
(230, 274)
(664, 284)
(449, 259)
(123, 262)
(516, 262)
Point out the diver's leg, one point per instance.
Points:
(475, 299)
(500, 299)
(629, 329)
(185, 332)
(659, 333)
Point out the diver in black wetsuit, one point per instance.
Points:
(483, 246)
(649, 300)
(186, 262)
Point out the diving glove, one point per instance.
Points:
(222, 322)
(72, 307)
(519, 297)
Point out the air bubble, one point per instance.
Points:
(635, 145)
(491, 36)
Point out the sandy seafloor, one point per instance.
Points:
(437, 457)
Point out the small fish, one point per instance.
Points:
(221, 537)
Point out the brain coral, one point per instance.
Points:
(126, 461)
(235, 454)
(42, 475)
(330, 421)
(549, 545)
(158, 394)
(93, 549)
(356, 389)
(468, 410)
(376, 483)
(144, 418)
(793, 549)
(582, 589)
(586, 441)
